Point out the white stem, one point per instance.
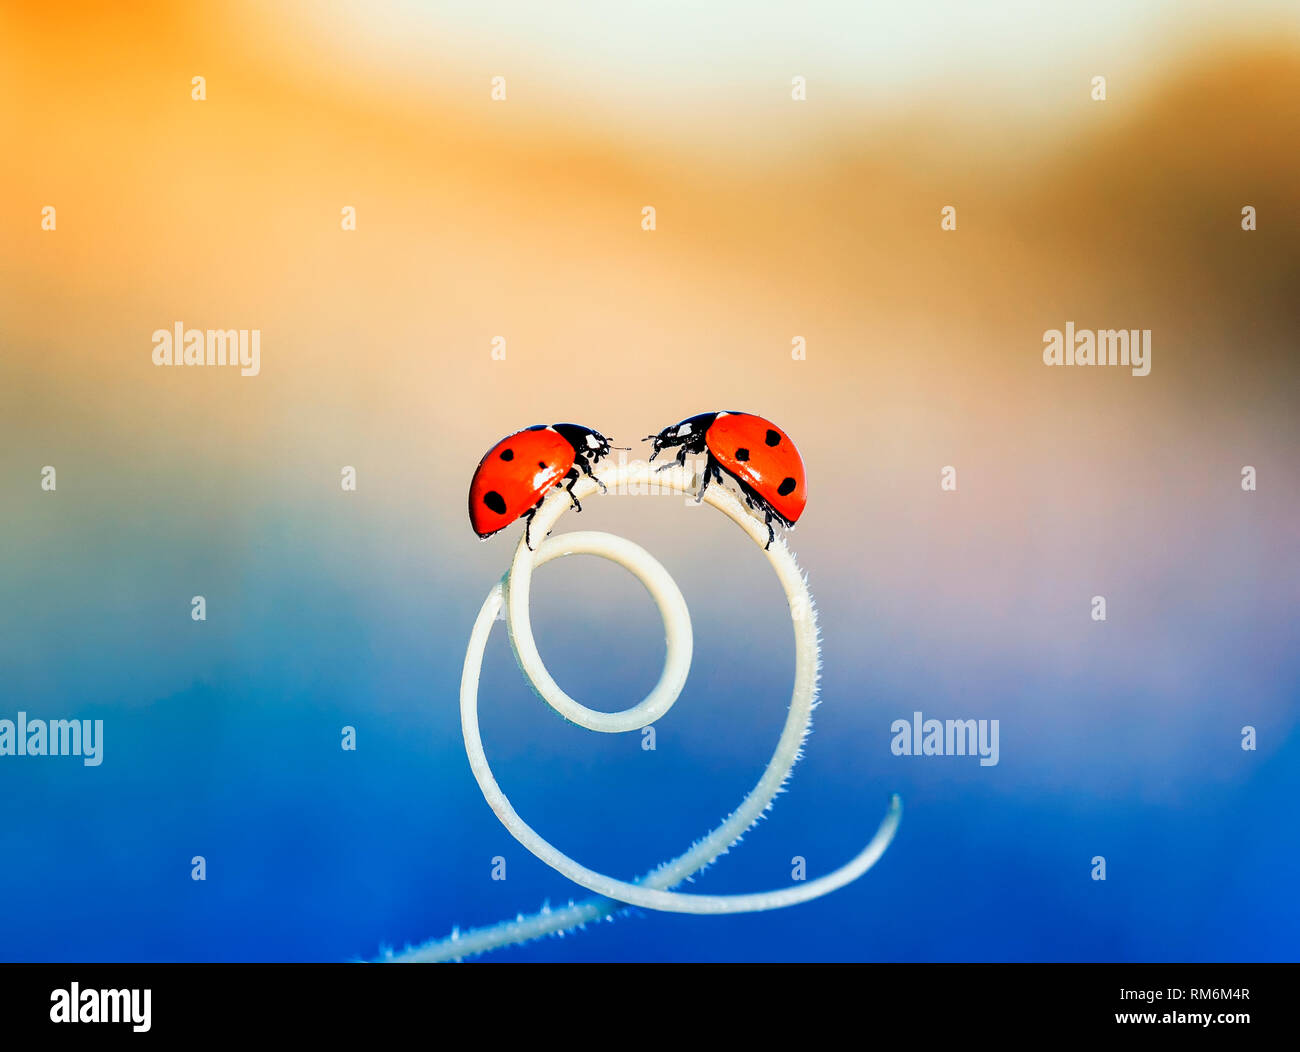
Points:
(649, 892)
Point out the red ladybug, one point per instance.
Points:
(517, 473)
(753, 451)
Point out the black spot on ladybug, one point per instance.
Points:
(742, 454)
(495, 501)
(507, 454)
(787, 487)
(541, 463)
(773, 438)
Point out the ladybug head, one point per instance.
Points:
(586, 442)
(689, 433)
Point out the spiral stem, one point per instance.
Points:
(650, 892)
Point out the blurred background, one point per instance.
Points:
(775, 219)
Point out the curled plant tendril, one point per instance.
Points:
(650, 892)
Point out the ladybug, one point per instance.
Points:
(753, 451)
(517, 473)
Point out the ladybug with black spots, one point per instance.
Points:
(753, 451)
(516, 474)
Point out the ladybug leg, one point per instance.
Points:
(585, 464)
(711, 471)
(679, 462)
(703, 486)
(767, 521)
(573, 477)
(528, 529)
